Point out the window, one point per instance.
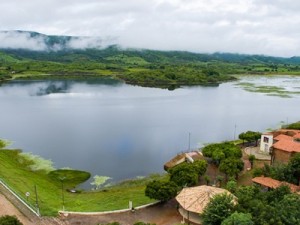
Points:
(266, 139)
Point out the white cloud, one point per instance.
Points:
(245, 26)
(21, 40)
(90, 42)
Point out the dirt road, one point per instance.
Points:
(161, 214)
(7, 208)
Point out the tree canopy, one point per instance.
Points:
(187, 173)
(220, 151)
(231, 166)
(161, 190)
(275, 207)
(284, 172)
(218, 209)
(70, 178)
(238, 219)
(250, 136)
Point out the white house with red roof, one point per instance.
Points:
(281, 144)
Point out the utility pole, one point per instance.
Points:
(36, 201)
(62, 193)
(189, 141)
(234, 131)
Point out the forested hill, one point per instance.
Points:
(32, 45)
(151, 56)
(30, 55)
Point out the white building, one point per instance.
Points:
(266, 142)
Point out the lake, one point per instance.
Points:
(113, 129)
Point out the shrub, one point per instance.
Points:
(9, 220)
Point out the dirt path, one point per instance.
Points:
(7, 208)
(161, 214)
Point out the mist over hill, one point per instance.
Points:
(37, 46)
(28, 40)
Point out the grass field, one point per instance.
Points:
(15, 171)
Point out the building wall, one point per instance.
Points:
(266, 142)
(281, 156)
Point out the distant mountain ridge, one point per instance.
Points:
(32, 45)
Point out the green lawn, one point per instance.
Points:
(15, 171)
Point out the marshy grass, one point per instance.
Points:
(269, 90)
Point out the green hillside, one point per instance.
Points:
(168, 69)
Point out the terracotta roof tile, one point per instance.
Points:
(297, 135)
(272, 183)
(283, 137)
(288, 145)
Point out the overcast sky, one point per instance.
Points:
(270, 27)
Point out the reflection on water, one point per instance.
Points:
(53, 87)
(122, 131)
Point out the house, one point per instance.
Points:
(266, 142)
(193, 200)
(183, 157)
(286, 145)
(270, 183)
(281, 144)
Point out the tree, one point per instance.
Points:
(295, 126)
(161, 190)
(218, 209)
(187, 173)
(294, 167)
(289, 209)
(71, 178)
(231, 186)
(183, 174)
(277, 194)
(199, 166)
(231, 166)
(245, 195)
(250, 136)
(238, 219)
(219, 152)
(285, 172)
(9, 220)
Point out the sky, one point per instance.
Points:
(269, 27)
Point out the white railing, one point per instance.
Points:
(19, 198)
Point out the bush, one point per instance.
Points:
(143, 223)
(294, 126)
(161, 190)
(9, 220)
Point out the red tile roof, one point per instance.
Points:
(286, 140)
(272, 183)
(287, 145)
(297, 135)
(281, 137)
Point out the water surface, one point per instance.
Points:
(122, 131)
